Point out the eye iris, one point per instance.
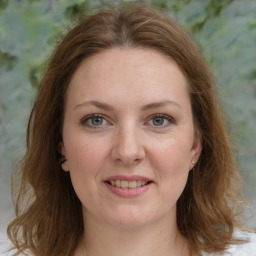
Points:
(97, 120)
(158, 121)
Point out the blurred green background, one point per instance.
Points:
(225, 31)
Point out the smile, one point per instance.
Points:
(128, 184)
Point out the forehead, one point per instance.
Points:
(137, 70)
(144, 58)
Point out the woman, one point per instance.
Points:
(127, 151)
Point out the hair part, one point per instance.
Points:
(47, 207)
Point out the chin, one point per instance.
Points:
(131, 217)
(129, 223)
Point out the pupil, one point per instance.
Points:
(97, 120)
(158, 121)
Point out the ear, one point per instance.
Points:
(196, 149)
(64, 159)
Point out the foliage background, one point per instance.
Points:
(225, 31)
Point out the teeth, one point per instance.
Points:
(128, 184)
(132, 184)
(124, 184)
(118, 183)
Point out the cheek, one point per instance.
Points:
(172, 156)
(85, 154)
(85, 161)
(171, 162)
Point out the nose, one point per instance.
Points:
(128, 148)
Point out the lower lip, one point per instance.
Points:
(128, 192)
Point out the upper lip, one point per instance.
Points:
(127, 178)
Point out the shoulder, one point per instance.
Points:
(248, 248)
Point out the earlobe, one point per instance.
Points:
(64, 164)
(196, 149)
(63, 160)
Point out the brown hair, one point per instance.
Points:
(49, 216)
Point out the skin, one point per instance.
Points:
(128, 137)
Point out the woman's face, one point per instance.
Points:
(128, 136)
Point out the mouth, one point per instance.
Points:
(128, 184)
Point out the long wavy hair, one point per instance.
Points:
(49, 214)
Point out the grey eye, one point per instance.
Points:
(96, 120)
(158, 121)
(161, 120)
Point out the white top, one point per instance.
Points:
(244, 249)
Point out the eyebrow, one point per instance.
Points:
(160, 104)
(108, 107)
(96, 104)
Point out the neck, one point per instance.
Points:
(151, 240)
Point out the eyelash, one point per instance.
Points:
(88, 118)
(169, 119)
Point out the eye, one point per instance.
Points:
(94, 121)
(161, 120)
